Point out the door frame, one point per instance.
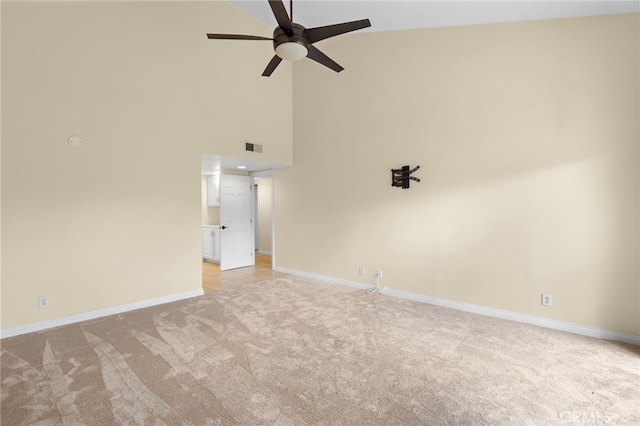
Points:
(255, 214)
(215, 163)
(269, 174)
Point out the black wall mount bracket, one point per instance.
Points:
(401, 177)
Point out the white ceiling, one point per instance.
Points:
(214, 163)
(401, 14)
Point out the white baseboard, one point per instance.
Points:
(324, 278)
(71, 319)
(264, 252)
(477, 309)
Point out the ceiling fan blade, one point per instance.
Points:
(235, 37)
(281, 15)
(323, 59)
(272, 66)
(320, 33)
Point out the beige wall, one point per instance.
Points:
(1, 325)
(118, 220)
(527, 138)
(265, 206)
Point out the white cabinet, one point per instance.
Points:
(216, 244)
(213, 190)
(207, 243)
(211, 243)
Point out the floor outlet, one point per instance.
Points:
(361, 270)
(43, 301)
(546, 299)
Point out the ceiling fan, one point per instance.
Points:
(293, 42)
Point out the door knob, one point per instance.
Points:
(223, 227)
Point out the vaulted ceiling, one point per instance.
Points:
(399, 14)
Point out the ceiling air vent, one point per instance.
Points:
(253, 147)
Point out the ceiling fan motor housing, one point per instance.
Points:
(299, 37)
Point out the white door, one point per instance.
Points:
(236, 222)
(216, 245)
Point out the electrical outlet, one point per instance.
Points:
(43, 301)
(379, 273)
(546, 299)
(361, 270)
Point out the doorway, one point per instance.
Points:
(263, 202)
(262, 214)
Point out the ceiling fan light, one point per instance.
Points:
(291, 51)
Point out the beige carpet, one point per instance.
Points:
(294, 352)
